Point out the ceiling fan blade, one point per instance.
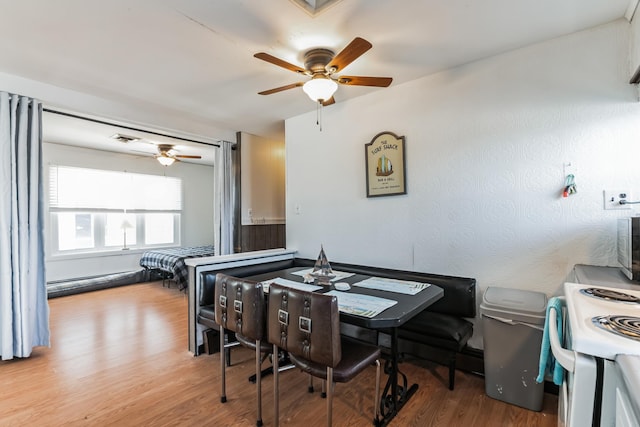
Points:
(329, 102)
(280, 89)
(349, 54)
(279, 62)
(185, 156)
(365, 81)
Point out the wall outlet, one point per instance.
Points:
(298, 210)
(612, 199)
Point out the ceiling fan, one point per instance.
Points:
(321, 65)
(167, 155)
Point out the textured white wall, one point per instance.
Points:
(197, 216)
(485, 146)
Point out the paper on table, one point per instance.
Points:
(339, 274)
(289, 284)
(361, 305)
(393, 285)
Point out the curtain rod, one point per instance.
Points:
(102, 122)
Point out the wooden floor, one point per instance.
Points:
(119, 357)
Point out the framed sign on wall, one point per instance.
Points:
(385, 165)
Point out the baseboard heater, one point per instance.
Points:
(62, 288)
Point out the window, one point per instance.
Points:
(99, 210)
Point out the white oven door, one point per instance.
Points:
(610, 383)
(577, 392)
(580, 392)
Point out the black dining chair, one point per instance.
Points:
(240, 307)
(307, 326)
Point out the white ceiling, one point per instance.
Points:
(194, 58)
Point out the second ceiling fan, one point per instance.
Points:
(321, 65)
(167, 155)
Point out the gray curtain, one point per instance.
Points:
(24, 313)
(224, 199)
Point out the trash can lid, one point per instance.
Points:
(515, 304)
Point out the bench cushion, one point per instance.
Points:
(206, 316)
(438, 330)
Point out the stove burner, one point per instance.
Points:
(610, 295)
(624, 326)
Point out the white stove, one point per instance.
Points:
(601, 323)
(586, 311)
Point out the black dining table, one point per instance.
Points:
(394, 395)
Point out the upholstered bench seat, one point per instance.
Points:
(207, 317)
(437, 330)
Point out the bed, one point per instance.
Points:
(171, 261)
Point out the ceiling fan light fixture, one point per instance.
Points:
(165, 160)
(320, 88)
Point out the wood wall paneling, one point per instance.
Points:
(263, 236)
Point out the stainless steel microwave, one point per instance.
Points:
(629, 247)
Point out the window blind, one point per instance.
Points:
(81, 188)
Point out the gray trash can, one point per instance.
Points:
(513, 321)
